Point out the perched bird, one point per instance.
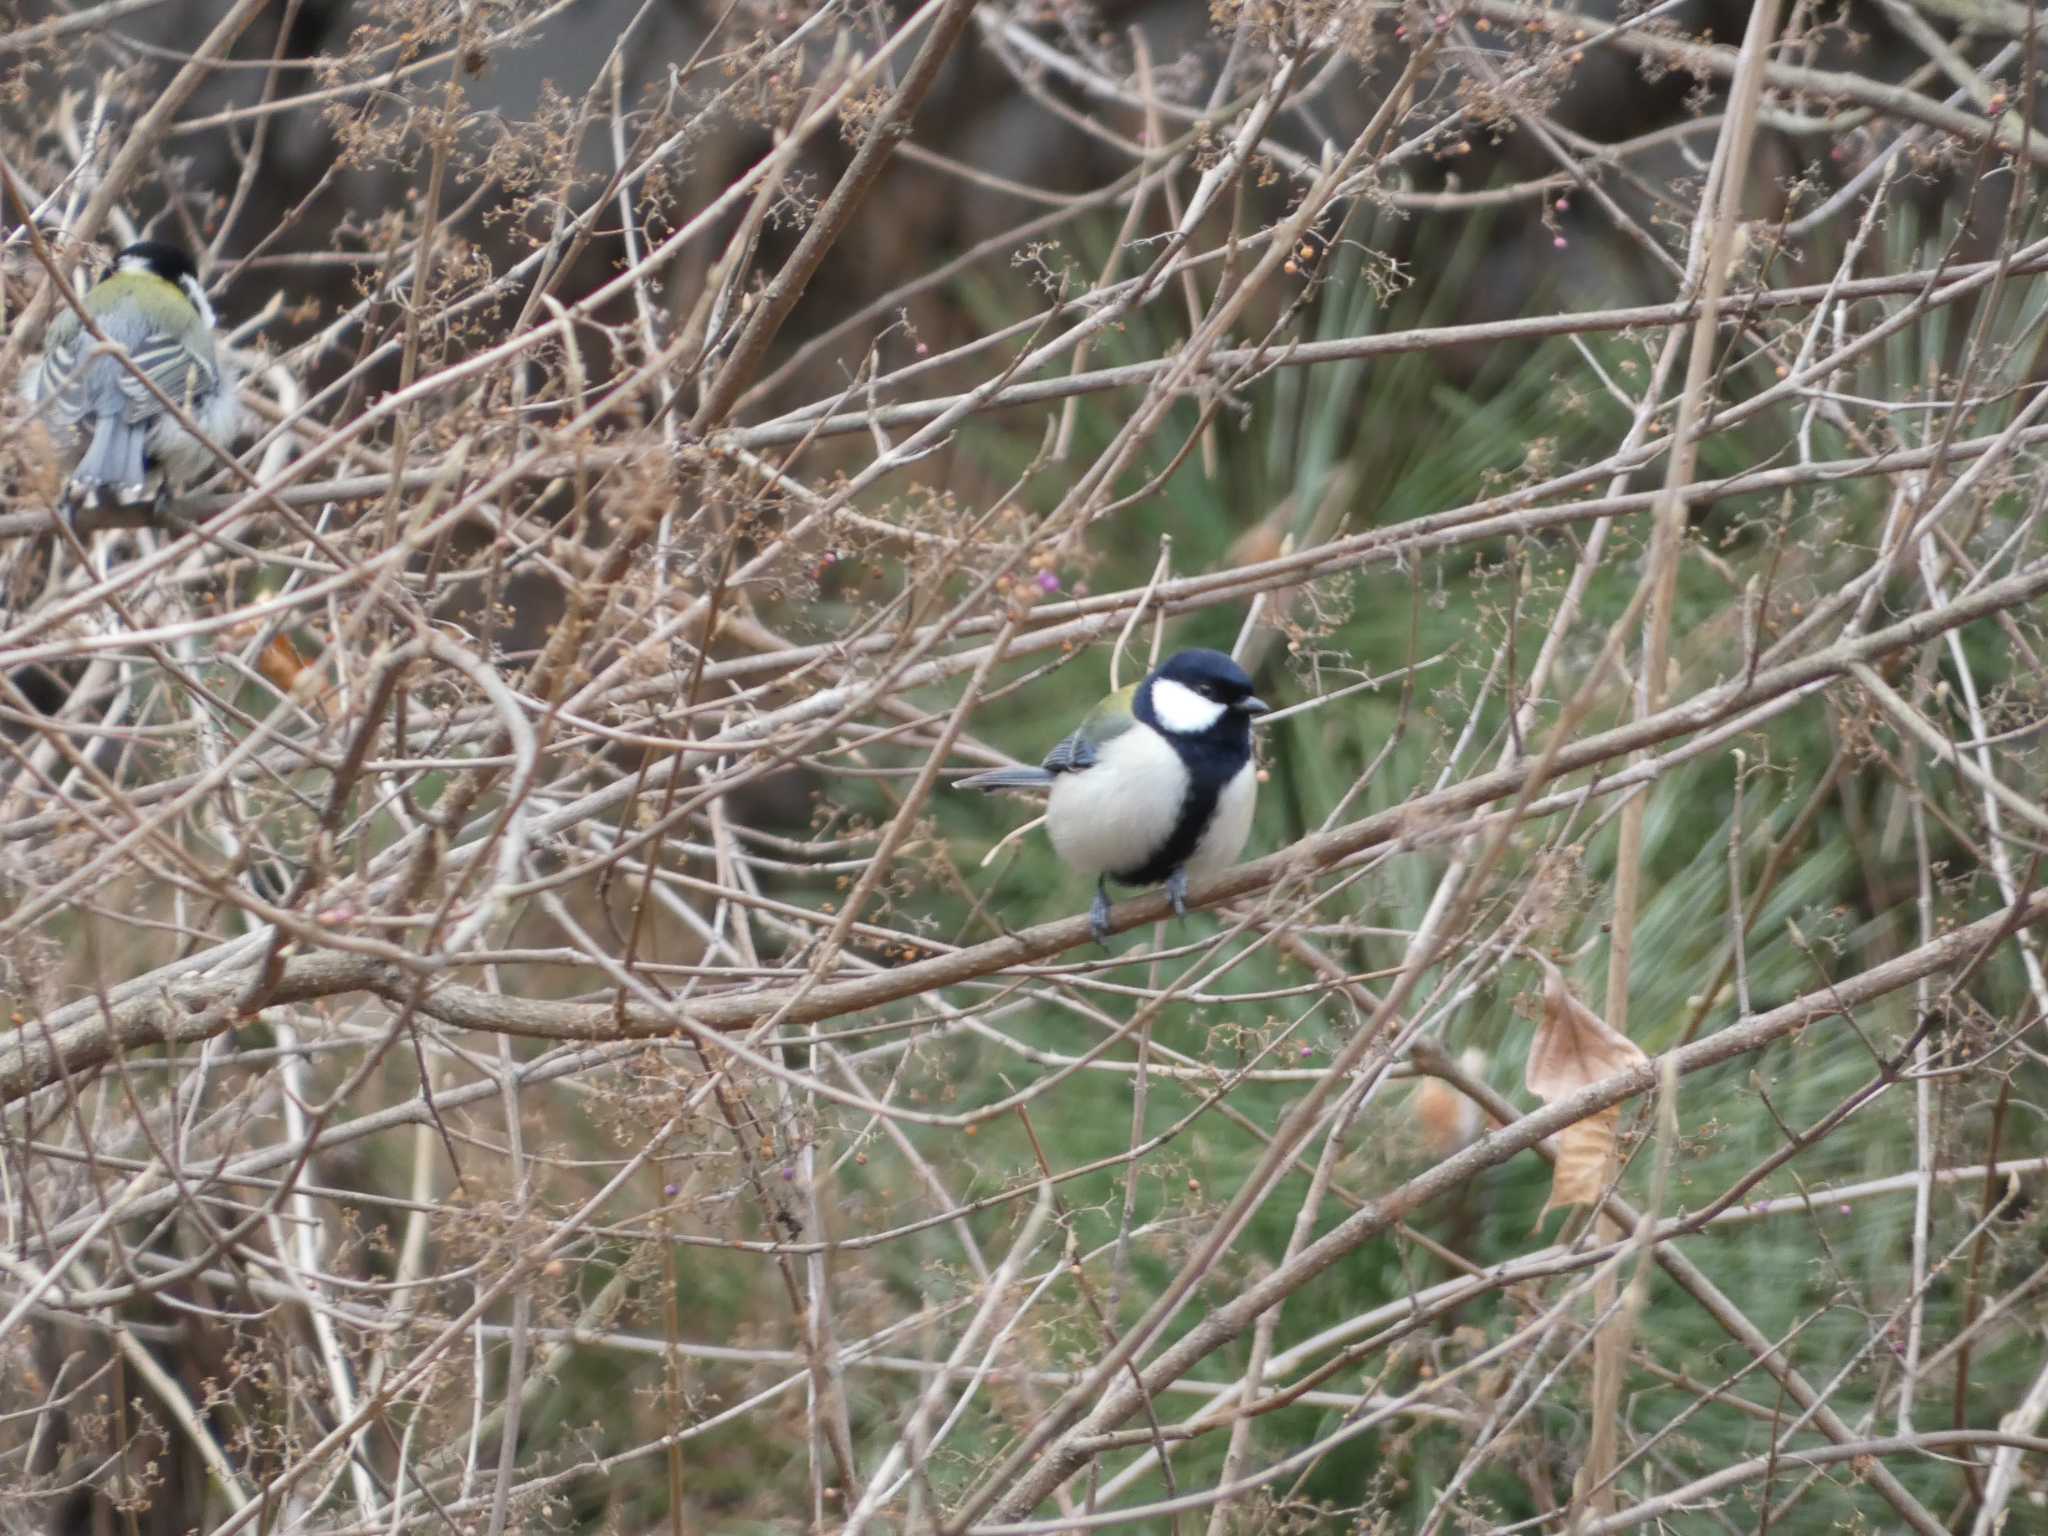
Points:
(130, 449)
(1157, 786)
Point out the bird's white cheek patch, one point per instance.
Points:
(197, 295)
(1181, 710)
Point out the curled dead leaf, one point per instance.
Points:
(282, 663)
(1573, 1048)
(1583, 1152)
(288, 671)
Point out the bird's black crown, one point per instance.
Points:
(170, 262)
(1210, 673)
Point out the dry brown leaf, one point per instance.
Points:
(289, 672)
(281, 663)
(1583, 1151)
(1573, 1047)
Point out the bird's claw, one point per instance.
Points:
(1177, 892)
(1098, 914)
(75, 501)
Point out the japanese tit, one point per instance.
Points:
(1157, 786)
(128, 448)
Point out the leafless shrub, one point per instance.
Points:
(507, 1029)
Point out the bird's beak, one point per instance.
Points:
(1251, 706)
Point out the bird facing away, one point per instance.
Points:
(1158, 784)
(129, 449)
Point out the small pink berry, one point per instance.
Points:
(1048, 582)
(1560, 242)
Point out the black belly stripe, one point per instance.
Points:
(1212, 760)
(1197, 809)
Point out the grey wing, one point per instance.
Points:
(1106, 721)
(1006, 778)
(57, 383)
(182, 373)
(78, 377)
(1078, 751)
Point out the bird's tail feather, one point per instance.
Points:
(114, 457)
(1007, 778)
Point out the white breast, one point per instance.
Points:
(1115, 814)
(1119, 813)
(1230, 826)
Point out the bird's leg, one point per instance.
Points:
(75, 501)
(1098, 914)
(1177, 890)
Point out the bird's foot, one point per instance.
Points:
(80, 500)
(1098, 914)
(1177, 891)
(93, 506)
